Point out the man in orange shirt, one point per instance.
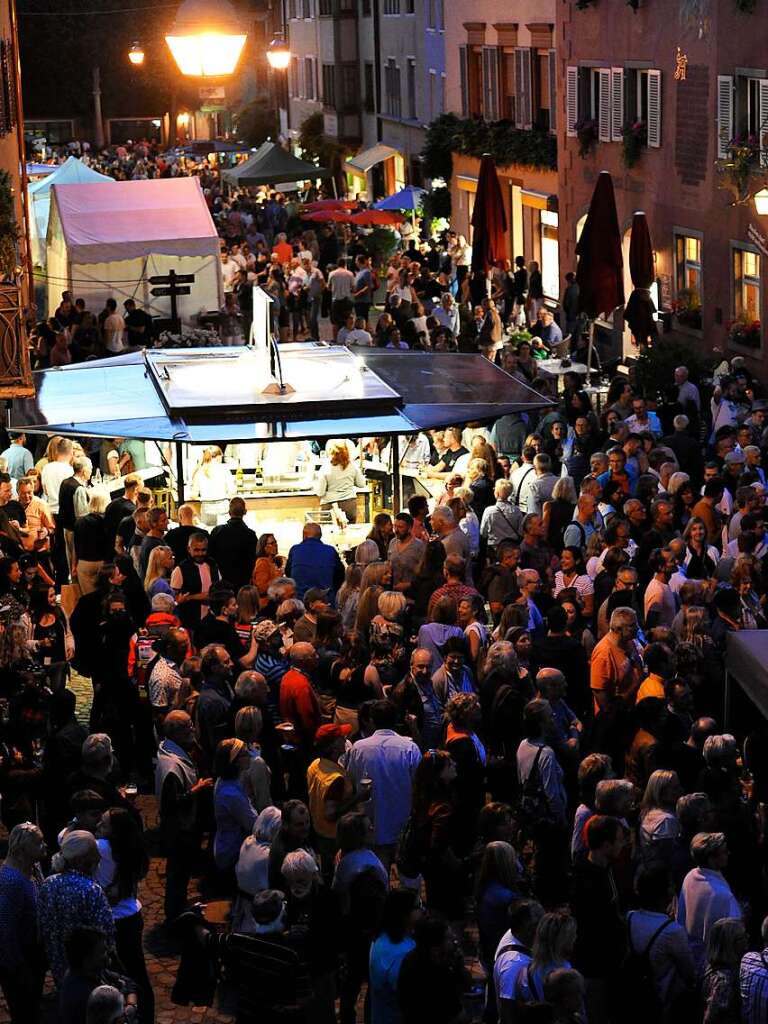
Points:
(298, 700)
(706, 509)
(282, 249)
(616, 669)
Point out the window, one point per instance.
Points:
(325, 8)
(432, 110)
(410, 7)
(391, 6)
(688, 265)
(746, 285)
(507, 85)
(307, 10)
(411, 70)
(294, 80)
(329, 85)
(292, 10)
(471, 72)
(310, 81)
(392, 94)
(365, 8)
(750, 116)
(350, 87)
(600, 94)
(370, 89)
(431, 15)
(441, 99)
(439, 15)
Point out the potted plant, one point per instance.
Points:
(737, 169)
(687, 308)
(634, 138)
(586, 131)
(744, 331)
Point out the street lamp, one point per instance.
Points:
(278, 54)
(136, 54)
(207, 38)
(761, 202)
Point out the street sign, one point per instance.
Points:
(169, 291)
(178, 278)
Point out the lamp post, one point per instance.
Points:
(206, 38)
(278, 54)
(136, 54)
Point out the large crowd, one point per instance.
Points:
(494, 730)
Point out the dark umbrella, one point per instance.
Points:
(600, 273)
(640, 307)
(489, 221)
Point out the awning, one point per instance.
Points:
(746, 659)
(539, 200)
(216, 395)
(362, 162)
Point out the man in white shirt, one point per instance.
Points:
(514, 954)
(705, 896)
(686, 391)
(114, 329)
(524, 473)
(341, 282)
(229, 270)
(358, 335)
(447, 314)
(55, 472)
(538, 487)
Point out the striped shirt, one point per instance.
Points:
(753, 984)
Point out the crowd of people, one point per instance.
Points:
(496, 730)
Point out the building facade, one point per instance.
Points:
(673, 101)
(501, 67)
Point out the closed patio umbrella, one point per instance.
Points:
(489, 221)
(600, 271)
(640, 308)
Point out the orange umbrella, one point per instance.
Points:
(367, 217)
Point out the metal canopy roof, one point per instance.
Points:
(368, 392)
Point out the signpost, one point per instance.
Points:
(173, 285)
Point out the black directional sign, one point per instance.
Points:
(170, 291)
(178, 278)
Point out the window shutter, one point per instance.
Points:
(763, 128)
(524, 113)
(571, 100)
(654, 109)
(464, 80)
(617, 104)
(552, 91)
(724, 114)
(604, 118)
(490, 83)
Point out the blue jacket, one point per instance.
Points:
(314, 564)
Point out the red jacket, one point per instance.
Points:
(299, 704)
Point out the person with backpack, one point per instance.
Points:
(543, 802)
(658, 974)
(514, 955)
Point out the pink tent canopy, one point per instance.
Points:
(107, 221)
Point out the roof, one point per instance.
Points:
(363, 161)
(151, 395)
(270, 165)
(121, 220)
(71, 172)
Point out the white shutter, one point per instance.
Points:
(552, 91)
(464, 80)
(490, 83)
(604, 118)
(524, 106)
(724, 114)
(617, 104)
(571, 100)
(763, 127)
(654, 109)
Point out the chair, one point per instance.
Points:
(271, 982)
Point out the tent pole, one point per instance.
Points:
(397, 488)
(590, 346)
(180, 472)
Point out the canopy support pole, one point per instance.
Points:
(397, 482)
(180, 472)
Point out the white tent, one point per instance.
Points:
(71, 172)
(108, 239)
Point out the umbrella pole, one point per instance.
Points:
(590, 346)
(397, 486)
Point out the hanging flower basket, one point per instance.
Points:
(687, 309)
(634, 138)
(740, 169)
(586, 132)
(745, 332)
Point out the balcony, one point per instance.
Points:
(15, 373)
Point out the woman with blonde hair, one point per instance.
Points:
(91, 541)
(247, 613)
(339, 481)
(552, 948)
(480, 477)
(367, 609)
(214, 485)
(466, 518)
(348, 596)
(159, 569)
(499, 882)
(659, 830)
(727, 943)
(701, 558)
(256, 777)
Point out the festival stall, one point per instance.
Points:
(109, 239)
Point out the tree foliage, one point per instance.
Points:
(256, 122)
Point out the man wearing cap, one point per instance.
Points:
(233, 547)
(331, 791)
(315, 601)
(313, 563)
(732, 471)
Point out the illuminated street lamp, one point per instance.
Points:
(206, 39)
(136, 54)
(761, 202)
(278, 54)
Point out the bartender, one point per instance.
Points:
(339, 481)
(214, 485)
(414, 452)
